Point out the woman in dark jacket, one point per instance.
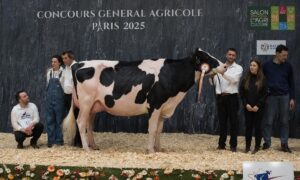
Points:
(253, 92)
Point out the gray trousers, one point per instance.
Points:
(276, 106)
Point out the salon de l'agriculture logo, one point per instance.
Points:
(278, 18)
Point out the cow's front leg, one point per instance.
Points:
(90, 127)
(160, 125)
(152, 129)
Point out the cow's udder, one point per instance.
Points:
(97, 107)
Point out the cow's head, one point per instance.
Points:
(204, 61)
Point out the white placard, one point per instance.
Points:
(268, 47)
(268, 170)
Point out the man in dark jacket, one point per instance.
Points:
(281, 96)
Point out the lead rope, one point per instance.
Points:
(219, 83)
(204, 68)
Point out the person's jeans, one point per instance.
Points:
(54, 119)
(276, 105)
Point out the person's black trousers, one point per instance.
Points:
(68, 101)
(253, 121)
(228, 105)
(36, 134)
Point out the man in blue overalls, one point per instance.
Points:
(55, 102)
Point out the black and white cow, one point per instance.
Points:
(151, 86)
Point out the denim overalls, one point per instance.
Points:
(55, 110)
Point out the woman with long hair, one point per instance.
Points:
(253, 93)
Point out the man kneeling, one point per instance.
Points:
(25, 120)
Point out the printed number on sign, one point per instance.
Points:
(134, 25)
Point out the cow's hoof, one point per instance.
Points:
(150, 151)
(87, 149)
(95, 148)
(160, 150)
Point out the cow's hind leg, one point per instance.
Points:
(82, 121)
(152, 129)
(90, 128)
(160, 125)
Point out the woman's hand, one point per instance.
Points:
(255, 109)
(249, 108)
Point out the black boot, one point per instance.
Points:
(34, 144)
(266, 146)
(285, 148)
(20, 146)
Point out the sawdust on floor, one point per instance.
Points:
(128, 150)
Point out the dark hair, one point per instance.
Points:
(58, 57)
(69, 53)
(17, 96)
(260, 76)
(232, 49)
(281, 47)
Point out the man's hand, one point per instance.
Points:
(292, 104)
(23, 130)
(221, 69)
(28, 130)
(249, 108)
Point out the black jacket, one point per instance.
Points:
(253, 96)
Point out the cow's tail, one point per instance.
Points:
(69, 126)
(69, 123)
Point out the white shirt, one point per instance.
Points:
(55, 74)
(229, 82)
(68, 83)
(22, 117)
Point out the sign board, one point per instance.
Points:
(283, 17)
(268, 170)
(258, 17)
(268, 47)
(272, 17)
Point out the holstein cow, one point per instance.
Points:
(151, 86)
